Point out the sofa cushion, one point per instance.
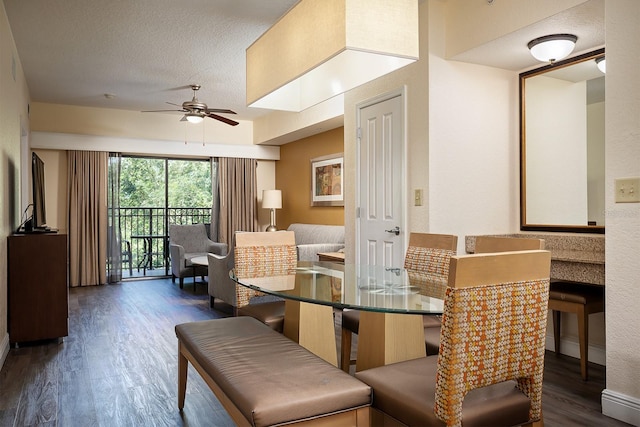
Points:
(312, 239)
(317, 233)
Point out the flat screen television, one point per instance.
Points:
(39, 219)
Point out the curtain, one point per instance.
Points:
(215, 205)
(114, 242)
(87, 180)
(238, 197)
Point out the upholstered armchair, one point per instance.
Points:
(253, 254)
(187, 242)
(221, 286)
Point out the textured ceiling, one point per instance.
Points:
(510, 52)
(145, 52)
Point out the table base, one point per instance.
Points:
(312, 326)
(385, 338)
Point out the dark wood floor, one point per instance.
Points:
(118, 367)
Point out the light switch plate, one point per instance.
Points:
(417, 197)
(628, 190)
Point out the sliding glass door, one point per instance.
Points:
(156, 192)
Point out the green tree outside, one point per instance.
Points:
(142, 183)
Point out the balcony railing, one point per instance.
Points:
(145, 229)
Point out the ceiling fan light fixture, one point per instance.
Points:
(553, 47)
(194, 117)
(602, 64)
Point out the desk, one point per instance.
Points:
(147, 256)
(392, 302)
(331, 256)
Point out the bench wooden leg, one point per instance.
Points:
(183, 364)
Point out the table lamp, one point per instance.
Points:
(272, 199)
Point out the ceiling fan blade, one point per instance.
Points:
(177, 105)
(162, 111)
(222, 119)
(219, 110)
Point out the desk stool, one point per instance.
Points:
(581, 299)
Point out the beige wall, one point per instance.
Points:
(134, 124)
(14, 126)
(473, 141)
(621, 398)
(293, 177)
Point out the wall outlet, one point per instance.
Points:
(417, 197)
(628, 190)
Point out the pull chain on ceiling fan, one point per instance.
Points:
(195, 111)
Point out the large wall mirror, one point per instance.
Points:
(562, 146)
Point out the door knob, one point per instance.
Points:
(395, 230)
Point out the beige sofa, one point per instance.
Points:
(314, 238)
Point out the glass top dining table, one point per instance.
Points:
(391, 301)
(352, 286)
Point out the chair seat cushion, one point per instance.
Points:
(270, 313)
(406, 392)
(271, 379)
(575, 292)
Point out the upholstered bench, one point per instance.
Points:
(263, 379)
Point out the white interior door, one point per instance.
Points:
(381, 160)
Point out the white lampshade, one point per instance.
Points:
(272, 199)
(322, 48)
(194, 117)
(602, 64)
(552, 48)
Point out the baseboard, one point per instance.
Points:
(571, 348)
(4, 349)
(621, 407)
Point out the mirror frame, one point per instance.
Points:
(524, 226)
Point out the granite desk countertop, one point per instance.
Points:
(587, 257)
(574, 258)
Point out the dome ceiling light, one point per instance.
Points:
(602, 64)
(553, 47)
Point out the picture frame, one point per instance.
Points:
(327, 182)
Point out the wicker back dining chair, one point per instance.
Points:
(484, 244)
(262, 254)
(427, 253)
(492, 352)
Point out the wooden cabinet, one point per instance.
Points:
(37, 287)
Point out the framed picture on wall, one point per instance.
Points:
(326, 180)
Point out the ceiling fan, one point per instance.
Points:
(195, 111)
